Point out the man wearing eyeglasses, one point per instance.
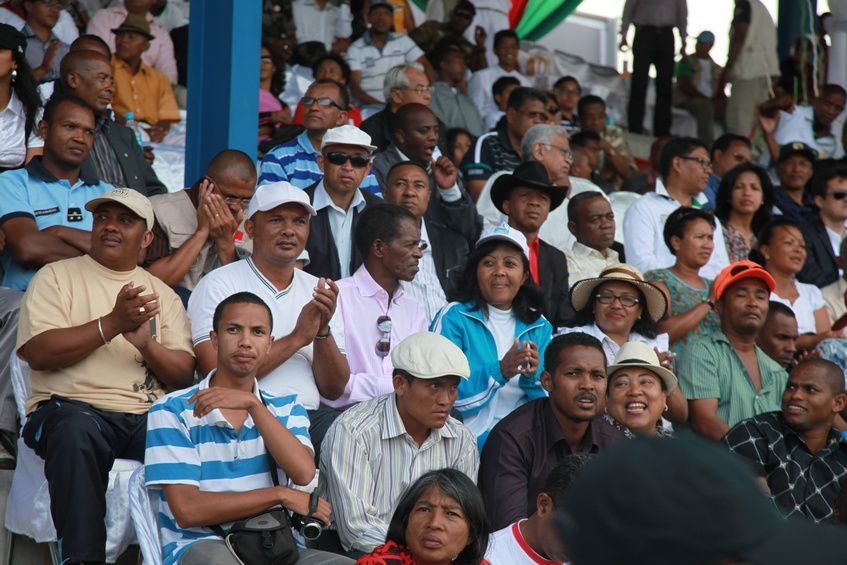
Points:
(339, 200)
(377, 310)
(684, 167)
(201, 228)
(296, 161)
(823, 235)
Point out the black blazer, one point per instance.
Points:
(820, 268)
(553, 269)
(323, 254)
(449, 253)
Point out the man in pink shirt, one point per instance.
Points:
(377, 311)
(160, 55)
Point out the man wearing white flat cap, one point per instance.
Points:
(379, 447)
(338, 200)
(307, 357)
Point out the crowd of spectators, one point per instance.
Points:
(444, 291)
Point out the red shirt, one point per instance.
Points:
(533, 261)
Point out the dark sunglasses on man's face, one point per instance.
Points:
(338, 158)
(325, 102)
(839, 195)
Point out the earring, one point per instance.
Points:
(14, 75)
(666, 407)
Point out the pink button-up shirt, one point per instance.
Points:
(362, 301)
(160, 56)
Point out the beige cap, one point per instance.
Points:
(130, 198)
(639, 354)
(428, 355)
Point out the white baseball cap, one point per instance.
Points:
(347, 135)
(504, 232)
(269, 196)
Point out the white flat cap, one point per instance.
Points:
(347, 135)
(428, 355)
(269, 196)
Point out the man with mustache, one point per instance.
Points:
(525, 446)
(378, 313)
(799, 448)
(726, 377)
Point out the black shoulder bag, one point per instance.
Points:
(265, 538)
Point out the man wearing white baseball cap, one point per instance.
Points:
(307, 357)
(103, 338)
(338, 200)
(379, 447)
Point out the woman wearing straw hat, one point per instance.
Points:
(620, 306)
(638, 391)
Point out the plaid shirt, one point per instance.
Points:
(801, 483)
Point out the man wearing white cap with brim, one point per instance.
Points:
(379, 447)
(307, 357)
(103, 338)
(338, 200)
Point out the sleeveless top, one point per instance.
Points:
(684, 297)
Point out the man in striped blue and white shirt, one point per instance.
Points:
(296, 161)
(208, 446)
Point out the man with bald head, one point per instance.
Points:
(802, 453)
(201, 228)
(414, 137)
(115, 156)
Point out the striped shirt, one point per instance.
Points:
(368, 460)
(710, 368)
(296, 161)
(207, 453)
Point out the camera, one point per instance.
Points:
(308, 526)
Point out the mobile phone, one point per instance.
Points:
(153, 328)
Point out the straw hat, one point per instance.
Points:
(583, 291)
(639, 354)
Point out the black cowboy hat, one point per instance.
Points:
(531, 174)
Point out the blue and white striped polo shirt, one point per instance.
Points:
(297, 162)
(207, 452)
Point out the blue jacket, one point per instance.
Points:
(466, 328)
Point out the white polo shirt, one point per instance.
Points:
(508, 547)
(374, 63)
(295, 376)
(644, 240)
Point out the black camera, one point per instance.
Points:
(308, 526)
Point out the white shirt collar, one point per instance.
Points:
(322, 200)
(661, 190)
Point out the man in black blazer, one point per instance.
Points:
(345, 162)
(824, 233)
(446, 251)
(527, 196)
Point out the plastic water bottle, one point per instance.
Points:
(136, 129)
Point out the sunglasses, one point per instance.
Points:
(324, 102)
(383, 344)
(626, 300)
(338, 158)
(839, 195)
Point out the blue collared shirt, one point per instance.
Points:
(33, 192)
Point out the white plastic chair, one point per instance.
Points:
(143, 506)
(621, 201)
(28, 504)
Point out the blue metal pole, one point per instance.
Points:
(792, 22)
(223, 81)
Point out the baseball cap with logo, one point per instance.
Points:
(797, 148)
(506, 233)
(129, 198)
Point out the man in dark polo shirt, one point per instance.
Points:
(525, 446)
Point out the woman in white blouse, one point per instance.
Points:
(19, 100)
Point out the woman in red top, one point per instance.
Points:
(439, 520)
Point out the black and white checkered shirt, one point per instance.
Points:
(802, 483)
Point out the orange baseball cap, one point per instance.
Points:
(739, 270)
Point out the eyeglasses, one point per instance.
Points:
(420, 89)
(626, 300)
(553, 110)
(323, 101)
(383, 344)
(243, 202)
(566, 153)
(839, 195)
(266, 59)
(705, 163)
(338, 158)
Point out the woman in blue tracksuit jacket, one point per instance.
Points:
(499, 326)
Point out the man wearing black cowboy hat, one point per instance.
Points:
(527, 197)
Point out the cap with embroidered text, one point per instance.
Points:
(506, 233)
(129, 198)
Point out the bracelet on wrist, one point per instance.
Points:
(324, 336)
(100, 329)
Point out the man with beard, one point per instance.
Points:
(525, 446)
(375, 305)
(726, 377)
(799, 448)
(414, 137)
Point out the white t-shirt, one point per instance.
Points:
(502, 326)
(804, 307)
(295, 376)
(508, 547)
(705, 83)
(798, 126)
